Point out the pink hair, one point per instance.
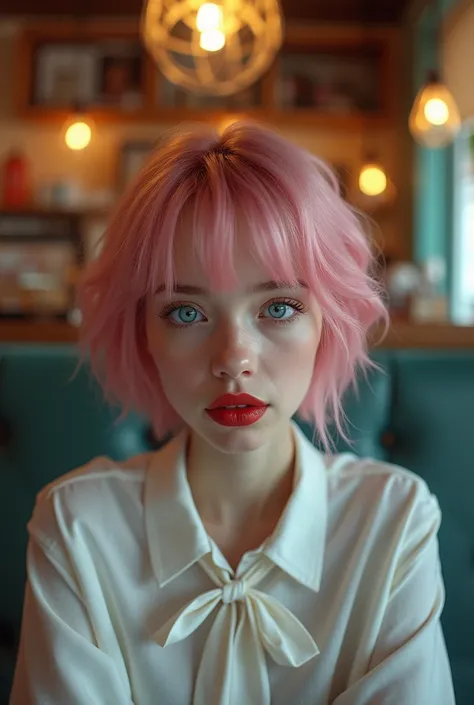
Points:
(301, 228)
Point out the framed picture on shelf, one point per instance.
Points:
(121, 75)
(65, 74)
(94, 70)
(133, 156)
(334, 80)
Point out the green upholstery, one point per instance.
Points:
(56, 423)
(433, 423)
(418, 412)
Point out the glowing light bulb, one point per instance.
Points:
(372, 180)
(212, 40)
(434, 118)
(209, 17)
(436, 111)
(78, 135)
(210, 22)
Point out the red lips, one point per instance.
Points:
(236, 400)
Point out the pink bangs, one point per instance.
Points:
(298, 228)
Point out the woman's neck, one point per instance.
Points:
(241, 489)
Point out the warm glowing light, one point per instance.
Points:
(209, 17)
(212, 40)
(213, 47)
(436, 111)
(78, 135)
(434, 118)
(372, 180)
(210, 22)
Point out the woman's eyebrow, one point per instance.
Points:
(264, 286)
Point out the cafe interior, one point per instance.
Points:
(382, 91)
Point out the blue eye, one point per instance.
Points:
(295, 308)
(279, 309)
(185, 314)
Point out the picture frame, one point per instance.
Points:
(121, 75)
(338, 76)
(65, 75)
(89, 74)
(342, 80)
(101, 69)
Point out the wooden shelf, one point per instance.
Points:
(442, 336)
(34, 210)
(316, 39)
(47, 331)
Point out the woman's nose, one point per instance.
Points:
(234, 355)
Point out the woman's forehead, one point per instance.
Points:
(230, 253)
(189, 269)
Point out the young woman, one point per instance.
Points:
(237, 565)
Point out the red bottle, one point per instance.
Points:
(16, 181)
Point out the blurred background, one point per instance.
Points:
(87, 87)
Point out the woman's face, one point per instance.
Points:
(206, 344)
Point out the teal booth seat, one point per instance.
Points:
(418, 412)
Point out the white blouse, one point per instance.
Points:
(129, 602)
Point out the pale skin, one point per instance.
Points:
(240, 477)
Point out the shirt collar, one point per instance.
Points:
(176, 535)
(297, 544)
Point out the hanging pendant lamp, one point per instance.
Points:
(434, 119)
(212, 48)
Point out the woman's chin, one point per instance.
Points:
(236, 438)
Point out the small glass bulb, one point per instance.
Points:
(434, 118)
(212, 40)
(436, 111)
(372, 180)
(78, 135)
(209, 16)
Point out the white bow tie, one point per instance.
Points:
(233, 667)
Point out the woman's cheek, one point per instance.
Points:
(300, 332)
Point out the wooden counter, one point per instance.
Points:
(404, 334)
(15, 331)
(401, 334)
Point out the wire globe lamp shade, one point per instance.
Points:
(212, 48)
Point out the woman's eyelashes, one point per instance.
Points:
(184, 315)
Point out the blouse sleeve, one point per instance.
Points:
(58, 659)
(409, 663)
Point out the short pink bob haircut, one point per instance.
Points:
(301, 229)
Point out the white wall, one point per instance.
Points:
(458, 56)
